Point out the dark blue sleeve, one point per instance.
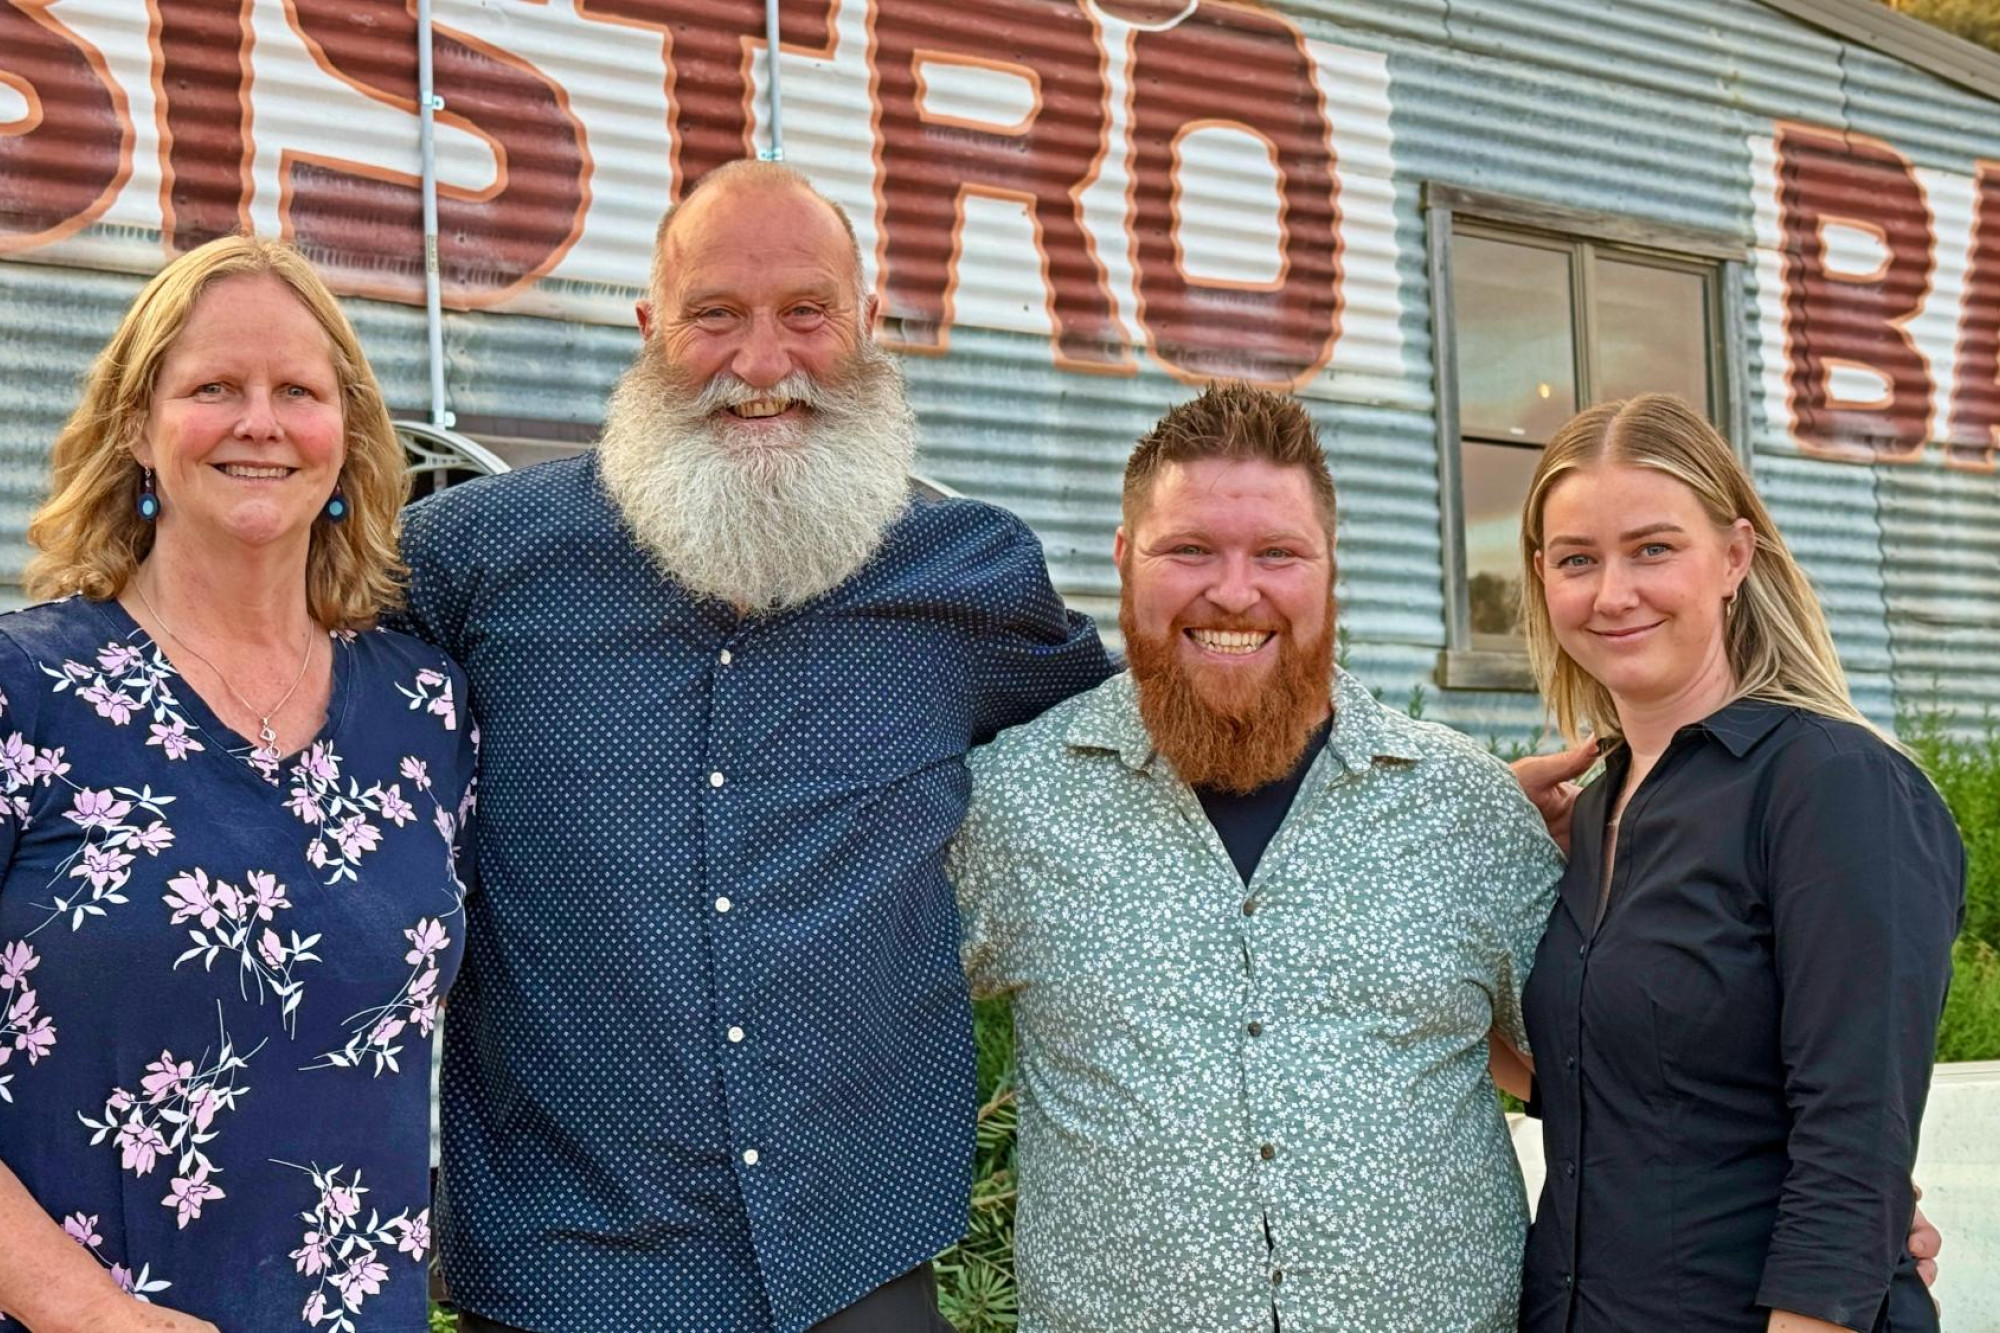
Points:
(1866, 874)
(1038, 652)
(435, 548)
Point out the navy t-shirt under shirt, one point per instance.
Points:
(1248, 821)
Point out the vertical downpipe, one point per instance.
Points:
(428, 105)
(776, 152)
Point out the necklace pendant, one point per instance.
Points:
(267, 739)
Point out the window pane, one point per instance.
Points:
(1496, 479)
(1652, 332)
(1516, 349)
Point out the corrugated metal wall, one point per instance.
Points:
(1649, 109)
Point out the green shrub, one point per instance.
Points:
(976, 1276)
(1967, 771)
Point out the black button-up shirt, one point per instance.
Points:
(709, 1064)
(1731, 1068)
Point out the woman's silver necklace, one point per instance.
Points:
(267, 739)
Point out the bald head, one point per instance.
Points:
(753, 176)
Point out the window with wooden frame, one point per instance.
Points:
(1538, 312)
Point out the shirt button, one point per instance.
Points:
(1249, 907)
(1569, 1169)
(749, 1157)
(715, 779)
(1255, 1028)
(1581, 949)
(1267, 1152)
(735, 1035)
(723, 904)
(726, 657)
(1569, 1063)
(1569, 1280)
(1277, 1276)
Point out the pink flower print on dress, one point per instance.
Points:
(416, 1239)
(188, 894)
(38, 1036)
(342, 1202)
(313, 1257)
(426, 938)
(114, 704)
(433, 694)
(104, 867)
(265, 895)
(188, 1193)
(139, 1145)
(356, 836)
(361, 1279)
(119, 659)
(82, 1229)
(415, 770)
(97, 809)
(154, 838)
(16, 961)
(319, 763)
(394, 808)
(173, 739)
(165, 1078)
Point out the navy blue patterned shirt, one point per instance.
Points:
(710, 1064)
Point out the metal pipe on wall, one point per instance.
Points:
(428, 105)
(776, 152)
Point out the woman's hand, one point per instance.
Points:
(1924, 1242)
(1549, 780)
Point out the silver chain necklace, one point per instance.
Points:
(267, 739)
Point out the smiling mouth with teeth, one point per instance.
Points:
(759, 408)
(1231, 642)
(254, 473)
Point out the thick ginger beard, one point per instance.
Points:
(760, 516)
(1230, 731)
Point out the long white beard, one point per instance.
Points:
(767, 521)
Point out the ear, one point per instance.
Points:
(1740, 551)
(142, 449)
(643, 308)
(1541, 576)
(1119, 546)
(870, 308)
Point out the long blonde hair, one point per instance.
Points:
(1776, 635)
(89, 533)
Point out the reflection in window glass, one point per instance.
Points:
(1516, 351)
(1496, 484)
(1652, 332)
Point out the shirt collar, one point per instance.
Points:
(1743, 723)
(1363, 730)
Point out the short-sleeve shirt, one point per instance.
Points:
(219, 972)
(1240, 1098)
(711, 1065)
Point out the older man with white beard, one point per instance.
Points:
(1257, 928)
(709, 1064)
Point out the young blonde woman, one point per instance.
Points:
(228, 898)
(1734, 1009)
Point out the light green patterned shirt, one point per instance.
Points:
(1235, 1099)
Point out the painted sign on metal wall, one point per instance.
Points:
(1187, 181)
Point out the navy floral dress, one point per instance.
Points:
(220, 970)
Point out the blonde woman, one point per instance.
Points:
(228, 895)
(1734, 1009)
